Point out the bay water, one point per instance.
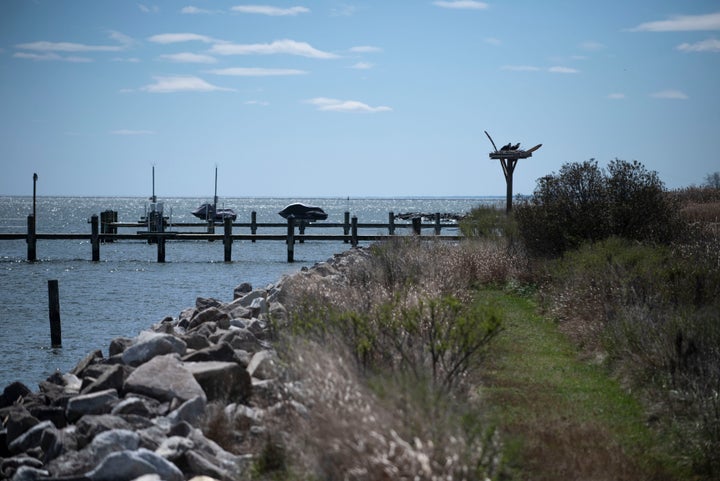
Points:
(127, 291)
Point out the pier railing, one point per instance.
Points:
(108, 231)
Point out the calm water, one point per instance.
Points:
(127, 291)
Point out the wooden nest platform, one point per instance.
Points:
(514, 154)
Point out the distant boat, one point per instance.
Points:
(303, 212)
(209, 211)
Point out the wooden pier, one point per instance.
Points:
(108, 231)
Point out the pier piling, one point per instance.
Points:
(160, 248)
(291, 238)
(391, 223)
(54, 309)
(354, 239)
(95, 238)
(346, 224)
(31, 239)
(227, 239)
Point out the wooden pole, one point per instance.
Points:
(253, 223)
(160, 248)
(416, 225)
(54, 309)
(346, 224)
(437, 223)
(301, 230)
(391, 223)
(31, 239)
(95, 238)
(227, 240)
(291, 238)
(508, 166)
(354, 240)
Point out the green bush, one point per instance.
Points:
(584, 203)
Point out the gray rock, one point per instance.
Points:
(92, 358)
(12, 393)
(30, 438)
(131, 405)
(163, 378)
(190, 411)
(55, 442)
(29, 473)
(202, 303)
(113, 441)
(259, 306)
(221, 351)
(240, 339)
(112, 378)
(128, 465)
(100, 402)
(174, 447)
(195, 464)
(196, 341)
(118, 345)
(222, 380)
(242, 290)
(264, 365)
(248, 299)
(151, 344)
(237, 309)
(19, 420)
(91, 425)
(211, 314)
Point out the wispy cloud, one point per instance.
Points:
(709, 45)
(181, 84)
(493, 41)
(256, 72)
(362, 66)
(188, 57)
(670, 94)
(520, 68)
(290, 47)
(568, 70)
(365, 49)
(682, 23)
(462, 4)
(126, 59)
(51, 56)
(132, 132)
(43, 46)
(592, 46)
(257, 102)
(196, 11)
(148, 8)
(270, 10)
(334, 105)
(616, 96)
(166, 38)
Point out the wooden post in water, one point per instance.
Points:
(391, 223)
(301, 231)
(54, 309)
(416, 225)
(354, 240)
(437, 223)
(227, 239)
(94, 238)
(31, 239)
(253, 223)
(291, 238)
(346, 225)
(160, 239)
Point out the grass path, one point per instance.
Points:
(559, 417)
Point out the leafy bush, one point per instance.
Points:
(584, 203)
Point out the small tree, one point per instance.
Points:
(713, 180)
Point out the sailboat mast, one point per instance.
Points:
(215, 198)
(154, 199)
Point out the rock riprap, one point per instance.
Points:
(139, 411)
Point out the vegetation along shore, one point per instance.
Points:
(576, 338)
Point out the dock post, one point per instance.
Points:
(227, 240)
(31, 239)
(301, 231)
(416, 225)
(354, 239)
(291, 238)
(391, 223)
(210, 227)
(253, 223)
(346, 226)
(160, 239)
(54, 309)
(94, 238)
(437, 223)
(108, 219)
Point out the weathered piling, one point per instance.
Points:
(437, 223)
(346, 224)
(391, 223)
(417, 225)
(227, 238)
(94, 238)
(253, 223)
(354, 239)
(160, 248)
(108, 224)
(54, 310)
(31, 239)
(291, 238)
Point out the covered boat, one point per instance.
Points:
(211, 212)
(303, 212)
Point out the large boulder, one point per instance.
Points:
(225, 381)
(128, 465)
(100, 402)
(152, 344)
(163, 378)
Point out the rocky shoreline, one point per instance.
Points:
(139, 413)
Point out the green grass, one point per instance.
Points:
(561, 417)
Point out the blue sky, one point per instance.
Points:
(350, 98)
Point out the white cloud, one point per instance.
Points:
(43, 46)
(709, 45)
(493, 41)
(563, 70)
(365, 49)
(334, 105)
(256, 72)
(616, 96)
(126, 59)
(362, 66)
(270, 10)
(257, 102)
(181, 84)
(669, 94)
(682, 23)
(462, 4)
(45, 56)
(195, 11)
(166, 38)
(132, 132)
(592, 46)
(187, 57)
(148, 9)
(519, 68)
(290, 47)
